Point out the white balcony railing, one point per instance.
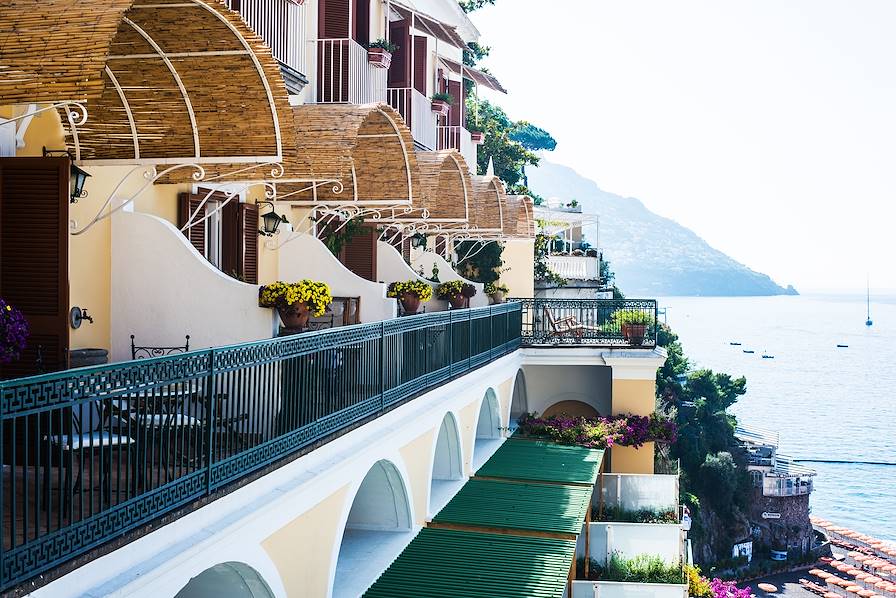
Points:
(574, 267)
(458, 138)
(343, 75)
(632, 492)
(416, 110)
(281, 23)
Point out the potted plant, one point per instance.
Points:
(441, 103)
(496, 291)
(633, 323)
(456, 292)
(410, 294)
(477, 133)
(296, 301)
(379, 53)
(14, 332)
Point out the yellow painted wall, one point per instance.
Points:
(417, 456)
(302, 549)
(634, 396)
(626, 459)
(518, 272)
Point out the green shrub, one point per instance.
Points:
(643, 568)
(661, 515)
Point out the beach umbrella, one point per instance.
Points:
(831, 595)
(865, 593)
(767, 587)
(853, 589)
(871, 580)
(853, 572)
(842, 567)
(822, 574)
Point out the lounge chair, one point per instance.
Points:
(567, 325)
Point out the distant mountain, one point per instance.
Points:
(651, 255)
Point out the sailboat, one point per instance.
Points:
(868, 322)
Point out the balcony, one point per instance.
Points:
(281, 23)
(619, 323)
(457, 138)
(344, 76)
(415, 109)
(574, 267)
(93, 454)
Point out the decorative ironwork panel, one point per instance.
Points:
(621, 323)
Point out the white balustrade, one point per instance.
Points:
(281, 23)
(574, 267)
(415, 109)
(343, 75)
(458, 138)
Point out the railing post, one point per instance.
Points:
(450, 344)
(470, 331)
(382, 366)
(210, 397)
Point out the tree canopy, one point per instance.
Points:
(532, 138)
(471, 5)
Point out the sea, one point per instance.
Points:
(834, 407)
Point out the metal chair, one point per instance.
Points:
(147, 352)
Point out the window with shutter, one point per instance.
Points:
(333, 19)
(249, 226)
(456, 115)
(187, 204)
(359, 254)
(34, 204)
(400, 69)
(361, 22)
(420, 60)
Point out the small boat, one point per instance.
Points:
(764, 356)
(868, 321)
(750, 351)
(842, 346)
(734, 344)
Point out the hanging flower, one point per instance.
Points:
(14, 332)
(316, 296)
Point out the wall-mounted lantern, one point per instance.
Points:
(77, 176)
(270, 221)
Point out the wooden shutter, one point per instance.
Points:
(231, 239)
(186, 205)
(34, 204)
(359, 254)
(249, 228)
(420, 60)
(333, 19)
(400, 69)
(361, 22)
(456, 116)
(440, 245)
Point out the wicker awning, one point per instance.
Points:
(434, 27)
(475, 75)
(489, 204)
(447, 191)
(350, 155)
(163, 81)
(518, 222)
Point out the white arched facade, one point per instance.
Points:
(519, 401)
(232, 579)
(447, 474)
(378, 524)
(488, 429)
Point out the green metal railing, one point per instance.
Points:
(619, 323)
(92, 453)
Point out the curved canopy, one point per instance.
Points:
(446, 188)
(350, 155)
(163, 81)
(489, 202)
(518, 222)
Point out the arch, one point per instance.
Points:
(378, 527)
(519, 402)
(488, 429)
(572, 409)
(162, 83)
(447, 464)
(489, 200)
(232, 579)
(369, 158)
(446, 188)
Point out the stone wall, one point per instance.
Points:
(792, 531)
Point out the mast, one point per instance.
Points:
(868, 321)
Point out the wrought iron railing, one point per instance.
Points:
(590, 322)
(91, 453)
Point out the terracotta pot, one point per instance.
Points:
(477, 137)
(410, 303)
(379, 58)
(441, 107)
(497, 297)
(634, 333)
(294, 316)
(458, 301)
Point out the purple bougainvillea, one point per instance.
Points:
(600, 432)
(13, 332)
(727, 589)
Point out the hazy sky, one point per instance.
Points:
(767, 126)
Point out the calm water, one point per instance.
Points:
(827, 403)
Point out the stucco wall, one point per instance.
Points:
(518, 272)
(305, 256)
(634, 396)
(391, 267)
(162, 289)
(547, 385)
(426, 260)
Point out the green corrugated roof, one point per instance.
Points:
(441, 563)
(539, 461)
(518, 506)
